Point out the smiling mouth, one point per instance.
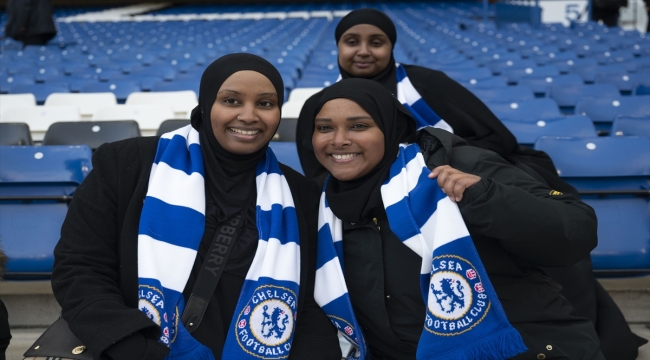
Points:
(244, 132)
(343, 157)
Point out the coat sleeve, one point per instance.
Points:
(85, 278)
(315, 338)
(530, 220)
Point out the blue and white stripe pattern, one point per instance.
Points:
(171, 227)
(464, 318)
(412, 100)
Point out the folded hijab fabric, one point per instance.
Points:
(464, 318)
(172, 224)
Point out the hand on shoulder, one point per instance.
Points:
(453, 182)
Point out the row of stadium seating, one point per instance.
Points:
(37, 183)
(541, 82)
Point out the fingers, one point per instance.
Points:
(453, 182)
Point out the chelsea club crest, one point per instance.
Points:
(457, 301)
(265, 325)
(151, 303)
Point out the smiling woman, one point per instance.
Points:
(170, 242)
(422, 265)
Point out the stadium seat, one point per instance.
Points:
(617, 186)
(39, 118)
(485, 83)
(603, 113)
(87, 103)
(542, 85)
(36, 184)
(121, 89)
(513, 76)
(181, 101)
(171, 125)
(526, 110)
(90, 133)
(15, 134)
(506, 94)
(302, 94)
(287, 153)
(148, 117)
(626, 125)
(527, 133)
(40, 91)
(9, 101)
(568, 96)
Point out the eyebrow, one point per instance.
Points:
(239, 93)
(352, 118)
(371, 35)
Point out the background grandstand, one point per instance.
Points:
(578, 90)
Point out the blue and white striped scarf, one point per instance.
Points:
(464, 318)
(412, 100)
(171, 228)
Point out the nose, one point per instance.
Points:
(248, 114)
(340, 138)
(363, 49)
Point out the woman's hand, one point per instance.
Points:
(453, 182)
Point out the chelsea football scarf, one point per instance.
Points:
(411, 99)
(464, 318)
(171, 227)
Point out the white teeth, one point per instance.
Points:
(244, 132)
(343, 156)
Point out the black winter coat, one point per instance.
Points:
(518, 225)
(95, 274)
(30, 18)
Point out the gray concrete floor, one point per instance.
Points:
(23, 338)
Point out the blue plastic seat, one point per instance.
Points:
(40, 91)
(568, 96)
(513, 76)
(526, 110)
(506, 94)
(626, 83)
(287, 153)
(462, 75)
(626, 125)
(604, 112)
(542, 85)
(121, 89)
(527, 133)
(617, 186)
(486, 83)
(36, 185)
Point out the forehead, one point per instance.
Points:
(341, 108)
(364, 30)
(245, 79)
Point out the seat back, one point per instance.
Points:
(612, 175)
(36, 184)
(568, 96)
(15, 134)
(148, 117)
(171, 125)
(39, 118)
(88, 103)
(90, 133)
(287, 153)
(604, 112)
(631, 125)
(10, 101)
(527, 133)
(182, 102)
(525, 110)
(506, 94)
(302, 94)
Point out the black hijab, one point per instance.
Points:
(359, 199)
(229, 178)
(386, 77)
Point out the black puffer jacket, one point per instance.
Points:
(518, 226)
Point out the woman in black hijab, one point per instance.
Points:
(98, 271)
(515, 225)
(365, 39)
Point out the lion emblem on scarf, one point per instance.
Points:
(450, 296)
(274, 323)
